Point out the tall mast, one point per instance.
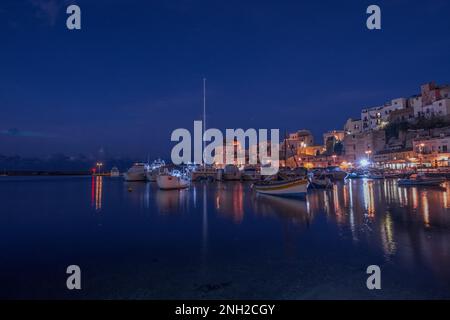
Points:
(204, 114)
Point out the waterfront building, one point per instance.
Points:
(433, 151)
(396, 159)
(363, 145)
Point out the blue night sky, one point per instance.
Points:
(133, 73)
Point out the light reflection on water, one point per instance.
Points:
(198, 232)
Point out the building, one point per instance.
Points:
(433, 151)
(377, 117)
(301, 138)
(433, 100)
(336, 135)
(353, 126)
(396, 159)
(363, 145)
(332, 141)
(401, 115)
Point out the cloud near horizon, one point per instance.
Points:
(14, 132)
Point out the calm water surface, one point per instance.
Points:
(220, 240)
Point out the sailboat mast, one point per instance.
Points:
(204, 113)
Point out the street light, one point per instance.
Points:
(99, 165)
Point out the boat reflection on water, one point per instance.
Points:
(172, 202)
(138, 193)
(405, 227)
(294, 210)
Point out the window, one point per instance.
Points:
(444, 148)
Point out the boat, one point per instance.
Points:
(203, 172)
(283, 185)
(138, 172)
(250, 173)
(420, 179)
(231, 173)
(172, 180)
(357, 174)
(115, 172)
(336, 173)
(375, 175)
(320, 180)
(155, 169)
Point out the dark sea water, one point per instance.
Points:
(220, 240)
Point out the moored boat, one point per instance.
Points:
(203, 172)
(420, 179)
(172, 180)
(138, 172)
(319, 180)
(282, 185)
(250, 173)
(155, 169)
(231, 173)
(336, 173)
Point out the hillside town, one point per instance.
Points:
(401, 133)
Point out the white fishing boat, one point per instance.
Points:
(138, 172)
(420, 179)
(115, 172)
(156, 167)
(250, 173)
(231, 173)
(172, 180)
(282, 185)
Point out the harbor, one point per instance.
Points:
(222, 240)
(224, 158)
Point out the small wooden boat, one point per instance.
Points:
(320, 180)
(419, 179)
(283, 185)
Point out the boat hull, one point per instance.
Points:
(166, 182)
(151, 176)
(135, 177)
(430, 182)
(292, 188)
